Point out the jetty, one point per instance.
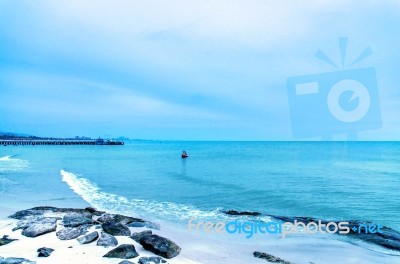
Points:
(40, 141)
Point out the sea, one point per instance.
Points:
(325, 180)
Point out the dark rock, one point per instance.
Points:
(151, 260)
(41, 210)
(123, 251)
(94, 211)
(89, 238)
(107, 240)
(144, 224)
(44, 252)
(40, 227)
(29, 220)
(138, 235)
(234, 212)
(71, 232)
(5, 240)
(270, 258)
(116, 229)
(125, 262)
(160, 246)
(117, 218)
(74, 220)
(388, 238)
(16, 261)
(24, 213)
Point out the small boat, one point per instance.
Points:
(184, 155)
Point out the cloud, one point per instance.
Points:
(185, 63)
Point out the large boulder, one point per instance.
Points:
(15, 261)
(39, 226)
(116, 229)
(71, 232)
(270, 258)
(107, 240)
(138, 235)
(147, 224)
(151, 260)
(160, 246)
(75, 219)
(5, 240)
(94, 211)
(42, 210)
(124, 251)
(89, 238)
(117, 218)
(44, 252)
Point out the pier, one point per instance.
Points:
(60, 142)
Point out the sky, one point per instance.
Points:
(194, 70)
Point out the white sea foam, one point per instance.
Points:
(91, 193)
(10, 164)
(5, 158)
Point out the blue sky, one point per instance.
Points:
(199, 70)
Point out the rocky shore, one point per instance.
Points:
(92, 226)
(388, 238)
(48, 235)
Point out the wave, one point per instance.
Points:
(11, 164)
(5, 158)
(168, 211)
(92, 194)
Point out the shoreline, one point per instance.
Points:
(196, 248)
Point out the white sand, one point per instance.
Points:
(196, 248)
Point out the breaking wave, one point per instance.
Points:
(11, 164)
(92, 194)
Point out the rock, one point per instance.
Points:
(89, 238)
(124, 251)
(94, 211)
(160, 246)
(125, 262)
(144, 224)
(270, 258)
(107, 240)
(116, 229)
(16, 261)
(234, 212)
(28, 220)
(388, 238)
(117, 218)
(41, 210)
(44, 252)
(151, 260)
(39, 226)
(138, 235)
(5, 240)
(71, 232)
(74, 220)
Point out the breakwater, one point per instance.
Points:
(39, 142)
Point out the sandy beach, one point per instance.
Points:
(196, 248)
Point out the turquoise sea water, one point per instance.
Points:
(328, 180)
